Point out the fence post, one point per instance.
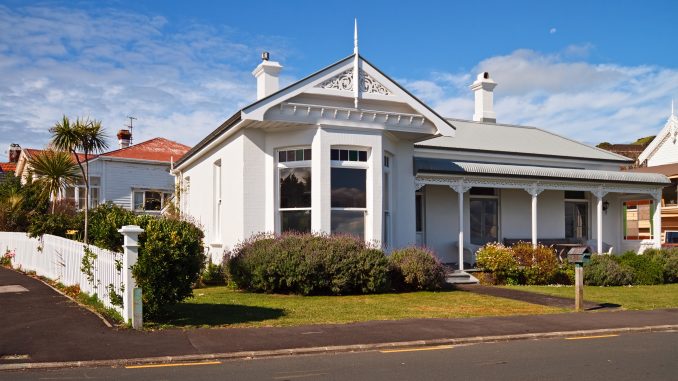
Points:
(130, 255)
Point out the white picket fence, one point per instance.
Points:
(60, 259)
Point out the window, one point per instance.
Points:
(484, 208)
(216, 200)
(77, 193)
(294, 176)
(386, 202)
(150, 200)
(669, 194)
(349, 192)
(420, 218)
(576, 220)
(637, 219)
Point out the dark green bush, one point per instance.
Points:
(213, 275)
(19, 203)
(171, 257)
(307, 264)
(57, 223)
(104, 222)
(416, 268)
(605, 270)
(668, 260)
(564, 274)
(645, 270)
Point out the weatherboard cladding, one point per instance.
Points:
(443, 166)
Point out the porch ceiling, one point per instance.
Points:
(443, 166)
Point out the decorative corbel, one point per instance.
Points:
(534, 189)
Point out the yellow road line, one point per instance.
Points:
(299, 376)
(438, 347)
(589, 337)
(173, 364)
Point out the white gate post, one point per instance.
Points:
(130, 255)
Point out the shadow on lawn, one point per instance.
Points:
(188, 314)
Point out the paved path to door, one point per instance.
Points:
(530, 297)
(48, 327)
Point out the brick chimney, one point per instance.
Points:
(14, 152)
(124, 138)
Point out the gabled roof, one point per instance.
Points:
(156, 149)
(670, 128)
(669, 170)
(512, 139)
(30, 152)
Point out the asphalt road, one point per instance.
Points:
(646, 356)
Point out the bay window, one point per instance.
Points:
(348, 191)
(294, 176)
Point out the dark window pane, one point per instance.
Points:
(295, 187)
(295, 220)
(477, 191)
(349, 188)
(575, 195)
(484, 221)
(362, 155)
(353, 155)
(669, 194)
(282, 156)
(419, 212)
(387, 161)
(348, 222)
(153, 201)
(290, 156)
(300, 154)
(343, 155)
(334, 154)
(307, 154)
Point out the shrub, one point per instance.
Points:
(564, 274)
(104, 222)
(668, 260)
(536, 265)
(20, 202)
(213, 274)
(171, 257)
(416, 268)
(57, 224)
(645, 270)
(307, 264)
(604, 270)
(500, 261)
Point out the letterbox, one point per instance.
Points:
(579, 255)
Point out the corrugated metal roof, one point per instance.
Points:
(506, 138)
(429, 165)
(156, 149)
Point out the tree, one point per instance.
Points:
(84, 136)
(55, 170)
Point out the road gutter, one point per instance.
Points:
(333, 349)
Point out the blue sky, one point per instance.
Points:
(592, 71)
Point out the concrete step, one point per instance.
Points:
(460, 277)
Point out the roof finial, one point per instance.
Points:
(355, 36)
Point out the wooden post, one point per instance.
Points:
(579, 287)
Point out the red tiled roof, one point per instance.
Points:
(32, 151)
(7, 167)
(157, 149)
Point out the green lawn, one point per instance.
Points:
(628, 297)
(222, 306)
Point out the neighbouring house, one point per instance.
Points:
(661, 156)
(632, 151)
(10, 166)
(136, 177)
(349, 150)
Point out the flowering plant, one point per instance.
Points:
(6, 259)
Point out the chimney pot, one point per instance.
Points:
(124, 138)
(268, 81)
(484, 98)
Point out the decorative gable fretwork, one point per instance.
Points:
(394, 119)
(344, 82)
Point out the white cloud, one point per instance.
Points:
(581, 100)
(553, 30)
(181, 82)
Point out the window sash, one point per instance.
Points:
(577, 220)
(484, 222)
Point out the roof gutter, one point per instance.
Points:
(225, 131)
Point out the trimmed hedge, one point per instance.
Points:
(415, 268)
(605, 270)
(307, 264)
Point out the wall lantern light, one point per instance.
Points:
(606, 205)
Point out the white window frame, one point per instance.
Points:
(358, 165)
(588, 211)
(289, 165)
(165, 195)
(81, 186)
(387, 202)
(216, 201)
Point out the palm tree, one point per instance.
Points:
(55, 170)
(85, 136)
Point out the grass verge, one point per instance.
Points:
(628, 297)
(223, 306)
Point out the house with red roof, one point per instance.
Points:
(10, 166)
(135, 177)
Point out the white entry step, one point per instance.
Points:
(460, 277)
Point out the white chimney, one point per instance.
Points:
(482, 88)
(267, 76)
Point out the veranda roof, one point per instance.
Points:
(444, 166)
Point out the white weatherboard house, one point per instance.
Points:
(349, 150)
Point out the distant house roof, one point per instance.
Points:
(444, 166)
(156, 149)
(507, 138)
(7, 167)
(669, 170)
(30, 152)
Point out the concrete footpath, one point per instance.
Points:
(40, 326)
